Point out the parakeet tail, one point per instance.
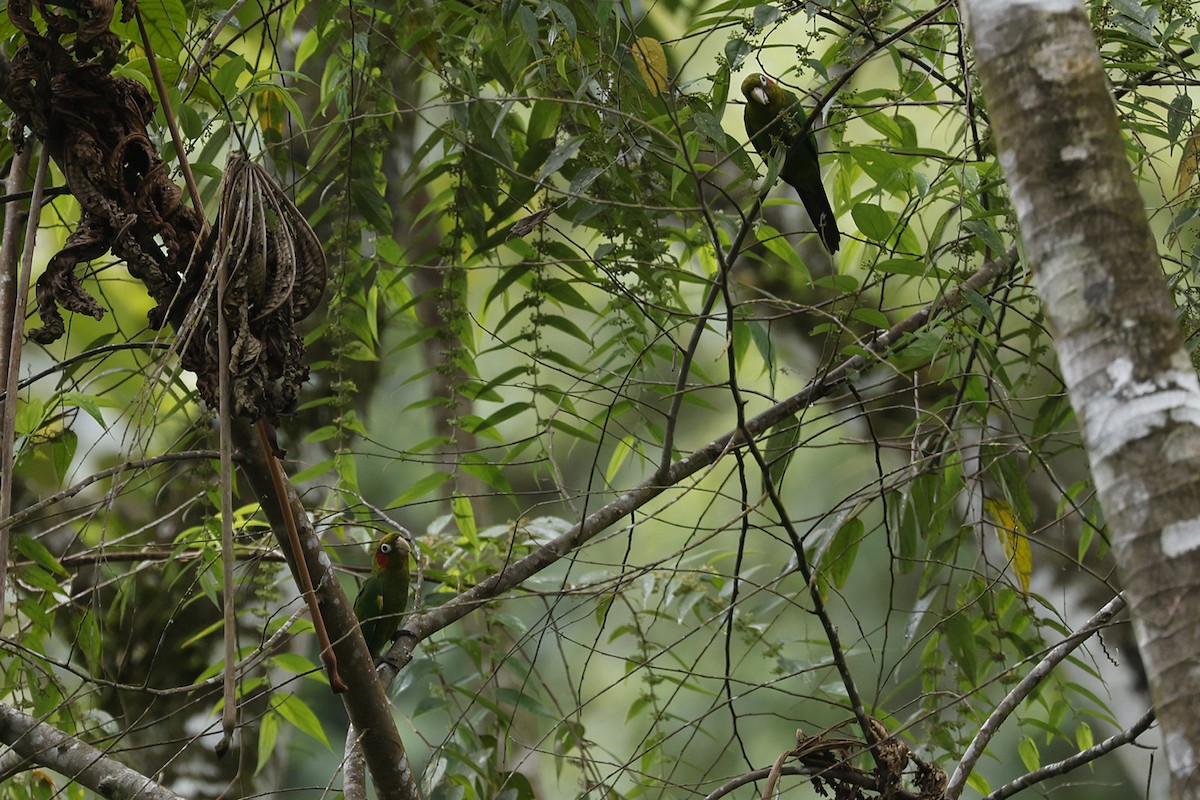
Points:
(819, 211)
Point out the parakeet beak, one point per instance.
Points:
(759, 95)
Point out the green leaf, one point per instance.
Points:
(979, 783)
(961, 638)
(29, 417)
(773, 241)
(561, 155)
(1178, 115)
(873, 222)
(620, 454)
(508, 10)
(464, 518)
(166, 23)
(88, 638)
(779, 448)
(1028, 750)
(421, 488)
(871, 316)
(268, 731)
(505, 412)
(36, 552)
(566, 326)
(986, 234)
(839, 558)
(295, 663)
(736, 51)
(295, 711)
(765, 15)
(1083, 736)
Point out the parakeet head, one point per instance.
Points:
(761, 90)
(391, 554)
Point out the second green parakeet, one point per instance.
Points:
(383, 596)
(774, 118)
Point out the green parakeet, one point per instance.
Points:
(383, 596)
(775, 118)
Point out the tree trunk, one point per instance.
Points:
(1132, 385)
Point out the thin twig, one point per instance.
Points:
(1019, 692)
(258, 654)
(225, 404)
(198, 62)
(726, 262)
(279, 480)
(229, 709)
(172, 123)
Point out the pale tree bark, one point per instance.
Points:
(1134, 390)
(46, 745)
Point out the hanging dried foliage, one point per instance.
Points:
(276, 274)
(94, 126)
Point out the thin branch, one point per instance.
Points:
(50, 192)
(50, 747)
(198, 62)
(837, 652)
(18, 170)
(224, 411)
(1019, 692)
(303, 573)
(25, 513)
(172, 123)
(8, 433)
(852, 70)
(726, 261)
(64, 364)
(1075, 761)
(518, 572)
(354, 768)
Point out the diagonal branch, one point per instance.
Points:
(1019, 692)
(367, 705)
(1078, 760)
(421, 626)
(44, 744)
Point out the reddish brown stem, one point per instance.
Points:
(306, 584)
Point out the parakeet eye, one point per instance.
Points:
(385, 548)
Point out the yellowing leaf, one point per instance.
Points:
(1012, 534)
(272, 114)
(652, 63)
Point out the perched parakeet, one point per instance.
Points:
(383, 596)
(775, 118)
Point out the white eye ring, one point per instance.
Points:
(385, 548)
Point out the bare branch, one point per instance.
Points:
(50, 747)
(1019, 692)
(1077, 760)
